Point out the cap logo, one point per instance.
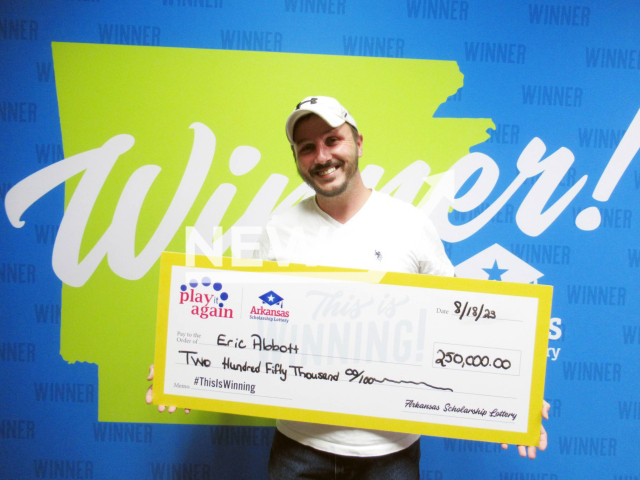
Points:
(312, 101)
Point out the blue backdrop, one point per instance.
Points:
(566, 72)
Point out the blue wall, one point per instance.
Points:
(569, 73)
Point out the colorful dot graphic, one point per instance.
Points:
(206, 281)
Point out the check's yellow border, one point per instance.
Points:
(542, 292)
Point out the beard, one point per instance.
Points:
(349, 169)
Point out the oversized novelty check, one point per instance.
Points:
(412, 353)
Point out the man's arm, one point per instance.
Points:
(432, 258)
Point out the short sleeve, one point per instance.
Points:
(263, 252)
(432, 258)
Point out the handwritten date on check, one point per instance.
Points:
(401, 352)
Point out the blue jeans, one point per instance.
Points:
(291, 460)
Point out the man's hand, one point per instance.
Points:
(531, 451)
(149, 396)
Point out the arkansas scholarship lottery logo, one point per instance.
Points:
(276, 314)
(206, 299)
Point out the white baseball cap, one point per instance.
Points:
(329, 109)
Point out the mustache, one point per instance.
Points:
(324, 166)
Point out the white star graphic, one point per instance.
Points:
(270, 297)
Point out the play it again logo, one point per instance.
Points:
(205, 298)
(272, 299)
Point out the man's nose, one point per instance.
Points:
(323, 153)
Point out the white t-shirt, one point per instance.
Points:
(385, 235)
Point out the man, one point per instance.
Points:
(347, 225)
(344, 225)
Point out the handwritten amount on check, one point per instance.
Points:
(298, 371)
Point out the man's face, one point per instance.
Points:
(327, 158)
